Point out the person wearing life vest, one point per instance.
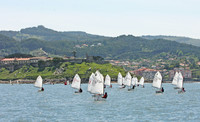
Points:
(80, 90)
(110, 85)
(183, 90)
(42, 89)
(123, 86)
(162, 89)
(105, 95)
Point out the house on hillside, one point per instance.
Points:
(145, 72)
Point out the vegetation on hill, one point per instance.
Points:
(64, 43)
(186, 40)
(63, 70)
(18, 55)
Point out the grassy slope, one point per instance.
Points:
(69, 70)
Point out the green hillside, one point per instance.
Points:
(64, 43)
(186, 40)
(42, 33)
(65, 70)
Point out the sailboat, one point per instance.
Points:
(180, 83)
(157, 82)
(127, 81)
(90, 82)
(97, 87)
(134, 79)
(119, 79)
(107, 80)
(142, 81)
(76, 83)
(136, 82)
(175, 80)
(39, 83)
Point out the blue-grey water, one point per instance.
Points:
(59, 103)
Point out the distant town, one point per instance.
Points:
(135, 68)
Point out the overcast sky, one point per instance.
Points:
(105, 17)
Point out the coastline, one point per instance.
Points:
(61, 81)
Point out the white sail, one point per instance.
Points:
(123, 80)
(141, 81)
(90, 81)
(127, 79)
(101, 76)
(67, 82)
(107, 80)
(97, 84)
(134, 79)
(76, 83)
(119, 79)
(175, 79)
(180, 81)
(38, 82)
(157, 81)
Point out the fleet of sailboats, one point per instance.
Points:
(96, 86)
(178, 82)
(96, 83)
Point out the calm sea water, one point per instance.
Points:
(59, 103)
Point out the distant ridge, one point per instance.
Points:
(186, 40)
(43, 33)
(124, 47)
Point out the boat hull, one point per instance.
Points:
(98, 98)
(176, 88)
(159, 92)
(181, 92)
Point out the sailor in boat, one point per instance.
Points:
(123, 86)
(110, 85)
(182, 90)
(104, 86)
(42, 89)
(65, 83)
(79, 91)
(105, 95)
(162, 90)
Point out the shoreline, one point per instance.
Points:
(61, 81)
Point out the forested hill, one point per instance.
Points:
(186, 40)
(40, 32)
(64, 43)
